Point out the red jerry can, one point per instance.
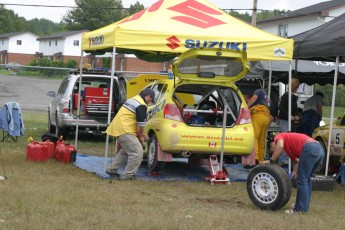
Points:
(36, 151)
(57, 144)
(50, 148)
(65, 153)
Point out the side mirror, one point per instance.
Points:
(51, 94)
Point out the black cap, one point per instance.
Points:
(150, 92)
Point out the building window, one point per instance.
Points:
(283, 30)
(55, 42)
(19, 42)
(50, 43)
(76, 43)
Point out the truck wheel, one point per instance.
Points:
(269, 186)
(153, 164)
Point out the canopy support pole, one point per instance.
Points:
(79, 93)
(269, 81)
(113, 65)
(289, 115)
(332, 112)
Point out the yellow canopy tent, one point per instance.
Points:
(171, 27)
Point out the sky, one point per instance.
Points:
(55, 14)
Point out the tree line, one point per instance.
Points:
(89, 15)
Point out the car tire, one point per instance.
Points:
(269, 186)
(51, 128)
(153, 164)
(319, 183)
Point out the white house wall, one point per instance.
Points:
(51, 46)
(69, 48)
(28, 44)
(3, 44)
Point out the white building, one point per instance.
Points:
(61, 46)
(301, 20)
(18, 47)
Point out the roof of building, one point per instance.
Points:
(9, 35)
(320, 9)
(61, 35)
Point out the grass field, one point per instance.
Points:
(54, 195)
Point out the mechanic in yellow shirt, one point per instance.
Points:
(128, 128)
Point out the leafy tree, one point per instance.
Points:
(267, 14)
(244, 17)
(10, 22)
(43, 26)
(93, 14)
(135, 8)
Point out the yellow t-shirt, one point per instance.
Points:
(125, 121)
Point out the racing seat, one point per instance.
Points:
(11, 122)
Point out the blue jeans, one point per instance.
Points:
(284, 127)
(311, 156)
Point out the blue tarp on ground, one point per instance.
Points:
(173, 171)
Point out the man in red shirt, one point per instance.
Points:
(306, 154)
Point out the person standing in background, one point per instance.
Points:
(283, 114)
(259, 106)
(312, 114)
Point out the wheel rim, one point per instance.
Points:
(152, 152)
(265, 188)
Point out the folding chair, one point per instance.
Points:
(11, 122)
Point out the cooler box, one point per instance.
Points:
(97, 101)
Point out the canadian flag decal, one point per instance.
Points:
(212, 144)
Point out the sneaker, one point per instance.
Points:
(293, 206)
(112, 173)
(124, 178)
(290, 211)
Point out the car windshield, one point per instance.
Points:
(221, 66)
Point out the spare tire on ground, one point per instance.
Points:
(319, 183)
(269, 186)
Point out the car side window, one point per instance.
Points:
(63, 86)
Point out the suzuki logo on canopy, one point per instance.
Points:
(190, 12)
(173, 42)
(193, 43)
(96, 40)
(196, 14)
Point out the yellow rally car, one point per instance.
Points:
(187, 117)
(337, 154)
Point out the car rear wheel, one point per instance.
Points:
(269, 186)
(153, 164)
